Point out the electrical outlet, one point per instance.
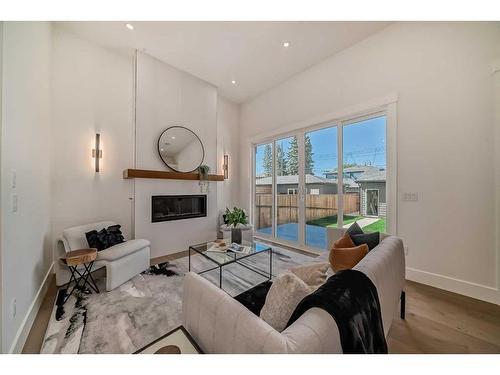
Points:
(14, 308)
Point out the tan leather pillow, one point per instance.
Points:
(344, 242)
(347, 258)
(312, 274)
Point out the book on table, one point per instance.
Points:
(239, 249)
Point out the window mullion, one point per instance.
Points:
(340, 177)
(274, 194)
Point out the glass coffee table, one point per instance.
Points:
(221, 260)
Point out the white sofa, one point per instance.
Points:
(220, 324)
(122, 261)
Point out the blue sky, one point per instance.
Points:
(364, 143)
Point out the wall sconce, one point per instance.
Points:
(225, 167)
(97, 152)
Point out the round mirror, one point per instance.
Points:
(180, 149)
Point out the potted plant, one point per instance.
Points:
(203, 171)
(235, 218)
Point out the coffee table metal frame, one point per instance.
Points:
(234, 260)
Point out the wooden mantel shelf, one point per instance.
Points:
(143, 173)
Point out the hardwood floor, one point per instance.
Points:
(436, 322)
(34, 341)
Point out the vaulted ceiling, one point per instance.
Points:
(252, 54)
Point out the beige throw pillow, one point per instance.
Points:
(283, 297)
(312, 274)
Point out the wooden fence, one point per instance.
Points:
(317, 206)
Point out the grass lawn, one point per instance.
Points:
(331, 221)
(378, 226)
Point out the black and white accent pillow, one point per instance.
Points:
(105, 238)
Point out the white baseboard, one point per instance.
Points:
(466, 288)
(24, 329)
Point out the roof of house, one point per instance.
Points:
(310, 179)
(373, 176)
(357, 168)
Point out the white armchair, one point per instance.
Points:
(122, 261)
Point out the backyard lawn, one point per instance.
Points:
(378, 226)
(331, 221)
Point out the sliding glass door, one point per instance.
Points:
(365, 169)
(311, 185)
(287, 188)
(264, 182)
(321, 203)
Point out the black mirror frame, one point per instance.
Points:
(201, 143)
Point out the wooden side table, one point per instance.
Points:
(85, 258)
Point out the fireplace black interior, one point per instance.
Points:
(177, 207)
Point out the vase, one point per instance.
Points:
(236, 235)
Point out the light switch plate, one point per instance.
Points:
(14, 179)
(14, 202)
(409, 197)
(13, 308)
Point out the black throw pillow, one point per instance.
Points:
(114, 235)
(105, 238)
(354, 229)
(371, 239)
(254, 298)
(93, 240)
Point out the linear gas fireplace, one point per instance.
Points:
(177, 207)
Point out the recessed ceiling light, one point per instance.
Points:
(172, 137)
(233, 82)
(129, 26)
(286, 44)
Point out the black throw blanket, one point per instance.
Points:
(351, 299)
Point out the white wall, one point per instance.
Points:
(496, 73)
(26, 143)
(228, 114)
(93, 91)
(167, 97)
(442, 74)
(1, 207)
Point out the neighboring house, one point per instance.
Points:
(315, 185)
(290, 185)
(369, 184)
(372, 193)
(369, 181)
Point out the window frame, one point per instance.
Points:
(387, 109)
